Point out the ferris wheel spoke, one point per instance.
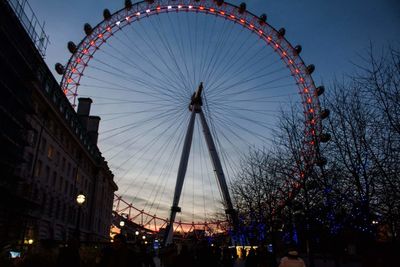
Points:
(167, 168)
(240, 84)
(120, 88)
(139, 156)
(206, 45)
(130, 78)
(219, 49)
(129, 126)
(258, 88)
(226, 84)
(229, 124)
(138, 82)
(138, 51)
(129, 141)
(179, 40)
(161, 82)
(116, 115)
(235, 58)
(142, 152)
(173, 56)
(254, 60)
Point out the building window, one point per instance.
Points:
(32, 138)
(44, 199)
(69, 169)
(47, 174)
(51, 126)
(63, 164)
(47, 86)
(29, 162)
(54, 179)
(61, 184)
(58, 209)
(38, 168)
(66, 187)
(64, 210)
(50, 211)
(50, 152)
(43, 144)
(57, 158)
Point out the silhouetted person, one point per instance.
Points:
(292, 260)
(119, 255)
(68, 256)
(185, 258)
(251, 259)
(42, 255)
(168, 256)
(146, 256)
(227, 258)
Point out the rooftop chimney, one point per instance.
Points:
(93, 128)
(84, 110)
(84, 106)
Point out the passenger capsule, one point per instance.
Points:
(320, 90)
(281, 32)
(88, 29)
(324, 114)
(297, 49)
(59, 68)
(71, 47)
(310, 69)
(262, 19)
(242, 8)
(106, 14)
(324, 137)
(128, 4)
(219, 2)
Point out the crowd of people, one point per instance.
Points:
(121, 253)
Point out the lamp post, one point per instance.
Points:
(122, 224)
(80, 199)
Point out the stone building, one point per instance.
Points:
(49, 151)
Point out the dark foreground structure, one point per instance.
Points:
(48, 152)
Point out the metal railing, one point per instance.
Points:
(30, 22)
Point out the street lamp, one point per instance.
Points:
(121, 225)
(80, 199)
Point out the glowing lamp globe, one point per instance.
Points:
(80, 199)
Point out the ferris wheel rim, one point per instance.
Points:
(104, 30)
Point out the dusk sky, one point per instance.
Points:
(333, 34)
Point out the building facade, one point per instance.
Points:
(49, 151)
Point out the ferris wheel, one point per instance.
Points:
(185, 89)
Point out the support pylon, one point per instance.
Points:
(195, 108)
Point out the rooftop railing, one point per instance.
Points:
(30, 22)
